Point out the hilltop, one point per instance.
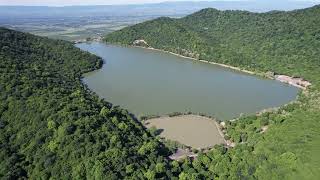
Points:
(53, 127)
(280, 42)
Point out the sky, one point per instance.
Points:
(89, 2)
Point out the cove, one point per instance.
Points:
(151, 82)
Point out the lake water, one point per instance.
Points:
(152, 82)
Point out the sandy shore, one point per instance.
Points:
(297, 82)
(191, 130)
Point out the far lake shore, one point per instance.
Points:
(297, 82)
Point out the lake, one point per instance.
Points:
(152, 82)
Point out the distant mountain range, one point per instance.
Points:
(160, 9)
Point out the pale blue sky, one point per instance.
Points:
(88, 2)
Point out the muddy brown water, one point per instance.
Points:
(191, 130)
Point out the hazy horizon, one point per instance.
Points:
(60, 3)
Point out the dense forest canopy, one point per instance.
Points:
(52, 126)
(281, 42)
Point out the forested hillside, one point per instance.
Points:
(52, 127)
(281, 42)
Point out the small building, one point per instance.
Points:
(140, 42)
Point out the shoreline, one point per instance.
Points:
(219, 127)
(204, 61)
(299, 83)
(292, 81)
(289, 81)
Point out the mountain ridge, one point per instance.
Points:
(236, 38)
(53, 127)
(277, 42)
